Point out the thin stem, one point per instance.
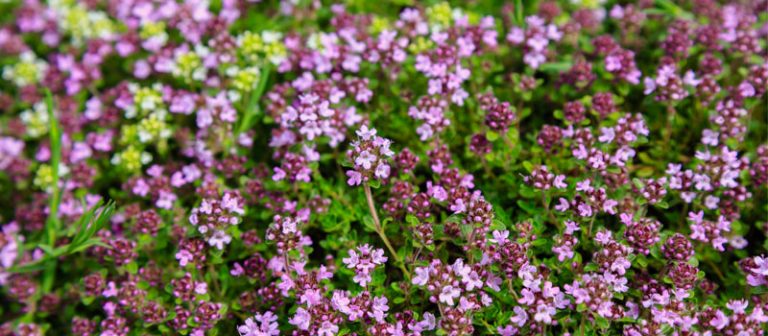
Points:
(509, 146)
(286, 269)
(550, 216)
(716, 270)
(380, 231)
(671, 115)
(215, 277)
(683, 215)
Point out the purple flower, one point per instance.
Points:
(328, 329)
(544, 314)
(422, 276)
(260, 325)
(370, 156)
(448, 294)
(354, 178)
(520, 317)
(301, 319)
(363, 262)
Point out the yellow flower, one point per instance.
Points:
(74, 21)
(131, 159)
(379, 25)
(276, 52)
(440, 14)
(153, 127)
(245, 79)
(29, 70)
(250, 43)
(44, 177)
(36, 120)
(265, 45)
(145, 99)
(129, 134)
(420, 44)
(189, 64)
(591, 4)
(152, 29)
(81, 23)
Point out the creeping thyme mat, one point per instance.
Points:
(402, 167)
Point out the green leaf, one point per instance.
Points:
(368, 223)
(253, 109)
(491, 136)
(132, 267)
(88, 228)
(670, 8)
(641, 260)
(519, 13)
(54, 136)
(31, 267)
(528, 166)
(374, 183)
(556, 66)
(645, 171)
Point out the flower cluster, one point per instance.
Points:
(214, 216)
(535, 39)
(383, 168)
(363, 261)
(370, 155)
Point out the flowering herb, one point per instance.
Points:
(260, 168)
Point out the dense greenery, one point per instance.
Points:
(383, 167)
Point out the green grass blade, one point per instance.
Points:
(253, 109)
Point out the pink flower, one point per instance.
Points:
(184, 257)
(379, 308)
(365, 159)
(737, 306)
(301, 319)
(422, 276)
(448, 294)
(363, 261)
(328, 329)
(365, 133)
(428, 323)
(544, 314)
(520, 317)
(260, 325)
(354, 178)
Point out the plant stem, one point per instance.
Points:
(716, 270)
(671, 115)
(215, 277)
(550, 216)
(52, 224)
(380, 230)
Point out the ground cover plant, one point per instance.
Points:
(245, 167)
